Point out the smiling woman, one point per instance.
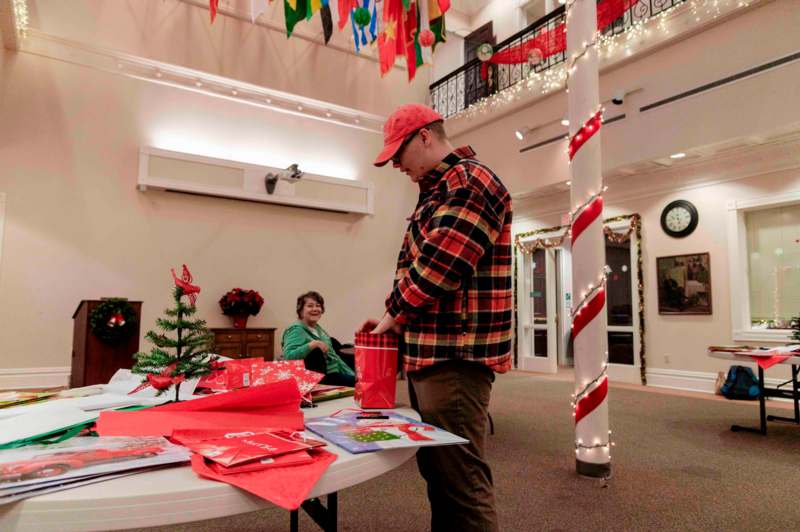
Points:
(306, 340)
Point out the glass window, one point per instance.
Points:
(539, 286)
(618, 295)
(540, 342)
(620, 348)
(773, 251)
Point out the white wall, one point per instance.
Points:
(506, 16)
(449, 56)
(76, 227)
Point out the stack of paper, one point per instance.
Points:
(38, 469)
(45, 420)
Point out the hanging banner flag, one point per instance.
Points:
(295, 14)
(410, 38)
(345, 7)
(327, 21)
(212, 9)
(256, 8)
(389, 39)
(425, 37)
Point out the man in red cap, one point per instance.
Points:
(451, 302)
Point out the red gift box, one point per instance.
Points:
(376, 370)
(234, 374)
(286, 369)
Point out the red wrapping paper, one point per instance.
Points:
(279, 370)
(250, 409)
(232, 375)
(286, 486)
(376, 370)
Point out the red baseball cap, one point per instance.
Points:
(405, 120)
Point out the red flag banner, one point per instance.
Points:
(554, 41)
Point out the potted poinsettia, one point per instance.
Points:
(240, 304)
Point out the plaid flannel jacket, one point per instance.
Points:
(452, 288)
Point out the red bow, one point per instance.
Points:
(160, 381)
(185, 283)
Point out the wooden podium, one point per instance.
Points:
(94, 361)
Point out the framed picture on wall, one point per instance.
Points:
(684, 284)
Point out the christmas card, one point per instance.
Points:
(368, 431)
(291, 459)
(82, 457)
(239, 448)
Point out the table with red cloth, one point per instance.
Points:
(765, 361)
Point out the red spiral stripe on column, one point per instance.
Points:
(591, 401)
(586, 132)
(586, 217)
(588, 312)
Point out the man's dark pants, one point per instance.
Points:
(454, 395)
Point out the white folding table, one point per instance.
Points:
(177, 494)
(764, 391)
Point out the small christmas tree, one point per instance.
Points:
(796, 330)
(190, 357)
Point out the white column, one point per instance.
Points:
(588, 252)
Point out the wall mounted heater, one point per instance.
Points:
(195, 174)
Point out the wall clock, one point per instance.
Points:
(679, 219)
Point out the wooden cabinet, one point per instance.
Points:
(93, 361)
(244, 343)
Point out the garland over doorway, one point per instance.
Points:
(635, 228)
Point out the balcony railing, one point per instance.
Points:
(465, 86)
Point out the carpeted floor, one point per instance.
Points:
(676, 466)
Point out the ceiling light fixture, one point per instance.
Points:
(679, 155)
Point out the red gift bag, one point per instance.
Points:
(376, 370)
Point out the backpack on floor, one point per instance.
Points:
(741, 383)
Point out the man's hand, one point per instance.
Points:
(387, 323)
(368, 325)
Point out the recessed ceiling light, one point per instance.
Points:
(569, 183)
(679, 155)
(198, 83)
(564, 122)
(299, 107)
(268, 100)
(328, 114)
(521, 132)
(159, 74)
(234, 92)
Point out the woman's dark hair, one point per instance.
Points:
(301, 301)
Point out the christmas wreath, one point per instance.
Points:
(113, 320)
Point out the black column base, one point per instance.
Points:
(588, 469)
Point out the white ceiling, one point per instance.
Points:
(469, 7)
